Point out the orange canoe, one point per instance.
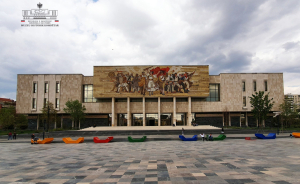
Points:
(295, 134)
(45, 141)
(68, 140)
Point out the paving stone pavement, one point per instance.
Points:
(233, 161)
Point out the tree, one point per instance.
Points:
(261, 105)
(7, 118)
(288, 113)
(49, 114)
(10, 120)
(76, 110)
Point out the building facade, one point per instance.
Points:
(149, 96)
(294, 99)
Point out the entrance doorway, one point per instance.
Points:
(151, 122)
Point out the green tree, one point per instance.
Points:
(7, 118)
(21, 121)
(261, 105)
(288, 113)
(10, 120)
(76, 111)
(49, 114)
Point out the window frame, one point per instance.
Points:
(34, 87)
(244, 86)
(57, 87)
(33, 103)
(266, 85)
(56, 103)
(244, 101)
(46, 87)
(254, 85)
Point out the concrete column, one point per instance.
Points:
(189, 123)
(113, 111)
(174, 110)
(38, 122)
(223, 119)
(246, 119)
(72, 124)
(128, 112)
(229, 123)
(144, 112)
(61, 121)
(158, 112)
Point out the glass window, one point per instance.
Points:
(136, 100)
(151, 99)
(34, 87)
(166, 119)
(214, 93)
(266, 85)
(151, 119)
(57, 87)
(46, 87)
(244, 85)
(166, 99)
(122, 120)
(88, 93)
(57, 103)
(34, 103)
(181, 99)
(180, 119)
(254, 85)
(104, 100)
(244, 101)
(45, 102)
(137, 119)
(198, 99)
(120, 99)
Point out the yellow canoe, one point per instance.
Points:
(295, 134)
(68, 140)
(45, 141)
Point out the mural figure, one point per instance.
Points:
(156, 80)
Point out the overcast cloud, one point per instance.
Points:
(230, 36)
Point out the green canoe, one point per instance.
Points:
(221, 137)
(130, 139)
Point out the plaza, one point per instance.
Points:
(232, 161)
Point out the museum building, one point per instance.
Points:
(149, 96)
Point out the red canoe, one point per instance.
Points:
(97, 140)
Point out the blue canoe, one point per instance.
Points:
(194, 138)
(269, 136)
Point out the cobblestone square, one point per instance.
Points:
(233, 161)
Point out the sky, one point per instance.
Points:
(231, 36)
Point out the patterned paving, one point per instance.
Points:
(230, 161)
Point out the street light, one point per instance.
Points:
(47, 122)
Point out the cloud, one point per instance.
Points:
(229, 36)
(291, 45)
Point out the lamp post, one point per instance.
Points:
(46, 123)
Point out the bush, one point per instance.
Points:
(23, 126)
(58, 129)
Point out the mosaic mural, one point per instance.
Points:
(138, 81)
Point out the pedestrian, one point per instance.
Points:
(10, 136)
(210, 137)
(202, 135)
(15, 135)
(222, 131)
(291, 136)
(182, 131)
(32, 136)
